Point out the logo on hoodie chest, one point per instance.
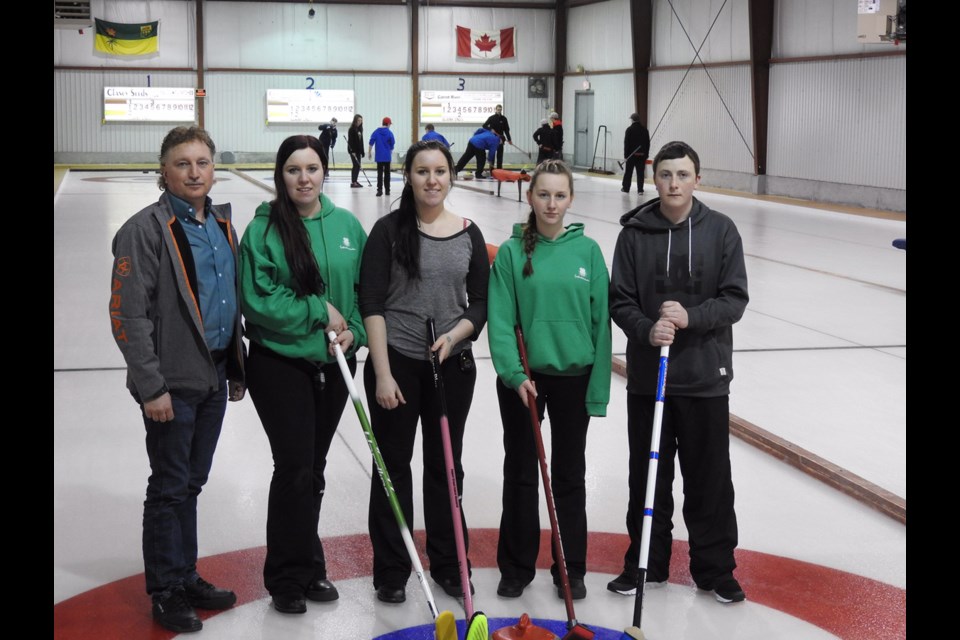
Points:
(678, 278)
(582, 274)
(345, 244)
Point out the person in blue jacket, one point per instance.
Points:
(382, 138)
(432, 134)
(482, 140)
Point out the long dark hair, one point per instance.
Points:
(356, 125)
(407, 247)
(283, 213)
(555, 167)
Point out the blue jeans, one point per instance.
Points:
(181, 453)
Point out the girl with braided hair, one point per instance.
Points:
(551, 280)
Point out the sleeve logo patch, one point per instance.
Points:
(123, 266)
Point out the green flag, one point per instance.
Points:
(121, 39)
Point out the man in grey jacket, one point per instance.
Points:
(679, 280)
(175, 317)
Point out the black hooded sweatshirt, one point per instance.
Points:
(698, 263)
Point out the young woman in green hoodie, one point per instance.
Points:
(299, 270)
(552, 281)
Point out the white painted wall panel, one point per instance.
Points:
(236, 108)
(78, 111)
(720, 26)
(523, 113)
(612, 105)
(818, 28)
(280, 36)
(176, 46)
(840, 121)
(720, 130)
(534, 38)
(598, 36)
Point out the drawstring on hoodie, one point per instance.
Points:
(689, 246)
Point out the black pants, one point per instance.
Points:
(355, 170)
(634, 162)
(500, 154)
(696, 430)
(383, 177)
(471, 153)
(395, 431)
(564, 399)
(300, 420)
(545, 154)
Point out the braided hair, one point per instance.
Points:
(530, 235)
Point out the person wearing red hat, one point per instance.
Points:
(382, 138)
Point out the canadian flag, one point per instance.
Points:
(489, 45)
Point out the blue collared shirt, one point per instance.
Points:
(216, 272)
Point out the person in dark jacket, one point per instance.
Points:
(482, 141)
(544, 139)
(328, 135)
(432, 134)
(355, 149)
(679, 280)
(498, 124)
(557, 125)
(636, 146)
(175, 312)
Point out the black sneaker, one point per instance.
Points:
(624, 190)
(452, 586)
(203, 595)
(728, 590)
(511, 587)
(625, 584)
(172, 611)
(379, 193)
(578, 590)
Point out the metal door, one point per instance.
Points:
(583, 125)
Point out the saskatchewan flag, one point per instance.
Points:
(121, 39)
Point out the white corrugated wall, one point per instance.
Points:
(719, 28)
(819, 28)
(78, 111)
(692, 109)
(280, 36)
(176, 40)
(533, 39)
(238, 122)
(840, 121)
(613, 102)
(598, 37)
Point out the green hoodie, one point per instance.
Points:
(275, 317)
(563, 312)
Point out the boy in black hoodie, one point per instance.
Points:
(679, 279)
